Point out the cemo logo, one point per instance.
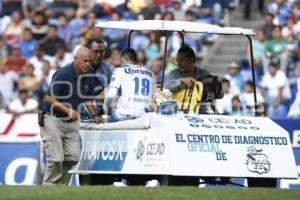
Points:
(257, 161)
(148, 149)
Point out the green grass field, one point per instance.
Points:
(124, 193)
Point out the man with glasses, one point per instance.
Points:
(101, 73)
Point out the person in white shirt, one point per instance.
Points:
(62, 57)
(37, 61)
(7, 82)
(23, 104)
(132, 88)
(247, 99)
(276, 90)
(224, 105)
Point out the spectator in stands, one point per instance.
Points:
(236, 107)
(136, 5)
(87, 30)
(170, 62)
(45, 81)
(39, 26)
(294, 111)
(139, 40)
(117, 36)
(268, 26)
(235, 78)
(247, 99)
(11, 6)
(51, 42)
(211, 11)
(191, 4)
(274, 51)
(191, 39)
(290, 28)
(28, 43)
(63, 28)
(176, 9)
(16, 62)
(141, 58)
(224, 105)
(14, 29)
(62, 57)
(7, 82)
(114, 56)
(37, 59)
(62, 6)
(28, 81)
(168, 16)
(156, 68)
(3, 49)
(290, 53)
(104, 8)
(151, 11)
(152, 49)
(23, 104)
(30, 7)
(76, 24)
(280, 10)
(275, 89)
(258, 45)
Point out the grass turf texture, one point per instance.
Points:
(124, 193)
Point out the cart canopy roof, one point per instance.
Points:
(179, 26)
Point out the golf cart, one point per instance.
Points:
(181, 146)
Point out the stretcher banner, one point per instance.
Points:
(192, 145)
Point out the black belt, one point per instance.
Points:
(60, 117)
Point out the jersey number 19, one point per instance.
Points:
(141, 86)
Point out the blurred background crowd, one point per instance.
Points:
(37, 37)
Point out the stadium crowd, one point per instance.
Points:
(37, 37)
(277, 67)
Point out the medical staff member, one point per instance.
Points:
(101, 72)
(131, 89)
(69, 89)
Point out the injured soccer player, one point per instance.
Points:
(131, 90)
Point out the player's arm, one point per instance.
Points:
(112, 92)
(110, 97)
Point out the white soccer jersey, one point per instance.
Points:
(136, 86)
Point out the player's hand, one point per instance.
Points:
(73, 115)
(98, 119)
(188, 81)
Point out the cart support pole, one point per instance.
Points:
(253, 74)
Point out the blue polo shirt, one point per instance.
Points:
(103, 74)
(70, 89)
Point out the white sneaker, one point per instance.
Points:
(152, 183)
(122, 183)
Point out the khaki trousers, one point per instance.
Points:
(61, 142)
